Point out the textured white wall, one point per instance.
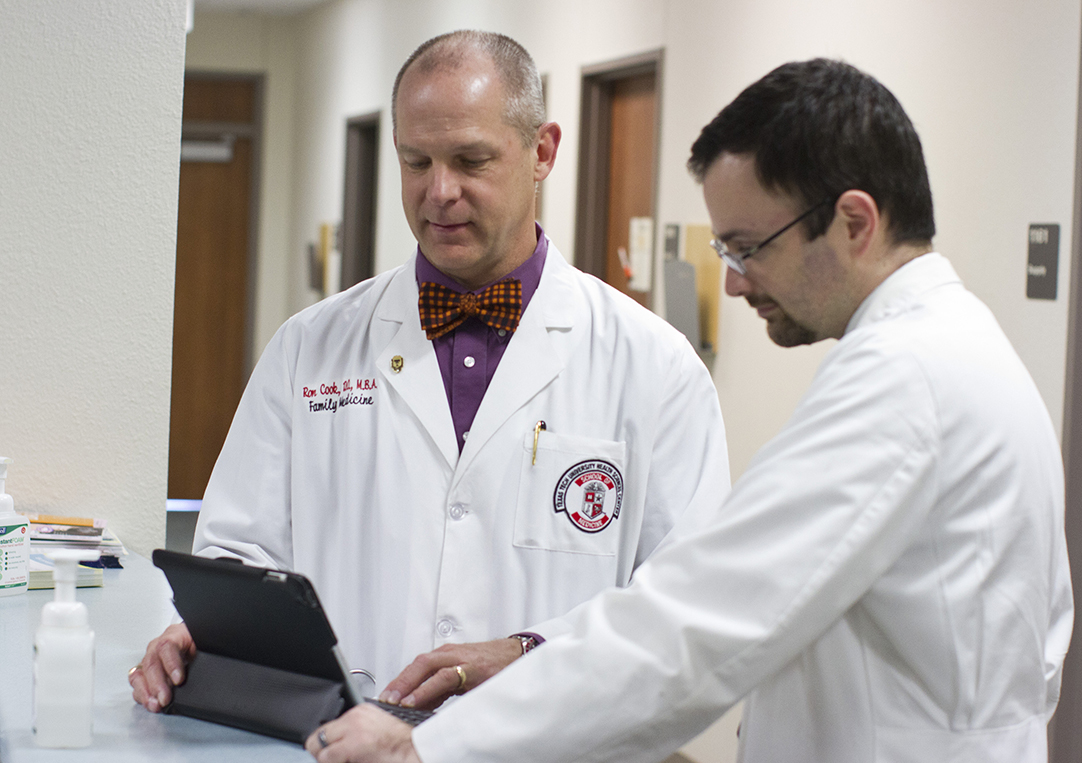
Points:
(90, 130)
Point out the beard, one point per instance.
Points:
(781, 328)
(785, 332)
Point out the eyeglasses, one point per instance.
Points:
(735, 260)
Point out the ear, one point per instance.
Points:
(861, 224)
(548, 141)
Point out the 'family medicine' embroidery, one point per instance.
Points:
(335, 396)
(590, 493)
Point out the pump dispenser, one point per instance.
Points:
(14, 542)
(64, 661)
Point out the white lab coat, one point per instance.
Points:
(889, 576)
(411, 545)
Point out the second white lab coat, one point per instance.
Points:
(342, 463)
(888, 578)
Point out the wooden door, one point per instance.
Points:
(210, 320)
(632, 151)
(617, 167)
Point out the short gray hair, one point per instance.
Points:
(524, 106)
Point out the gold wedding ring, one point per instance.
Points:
(132, 671)
(461, 677)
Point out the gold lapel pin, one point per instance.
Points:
(397, 363)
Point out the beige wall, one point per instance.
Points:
(991, 85)
(90, 130)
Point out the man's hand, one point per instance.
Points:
(365, 734)
(162, 668)
(432, 677)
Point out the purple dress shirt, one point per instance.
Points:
(468, 356)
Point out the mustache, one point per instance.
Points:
(757, 301)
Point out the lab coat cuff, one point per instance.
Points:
(548, 630)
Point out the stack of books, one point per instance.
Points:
(41, 574)
(52, 532)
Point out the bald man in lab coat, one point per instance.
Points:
(466, 447)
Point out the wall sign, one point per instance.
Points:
(672, 241)
(1043, 266)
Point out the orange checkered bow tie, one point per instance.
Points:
(444, 310)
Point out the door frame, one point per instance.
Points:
(1065, 739)
(358, 244)
(595, 126)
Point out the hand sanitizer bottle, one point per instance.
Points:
(64, 661)
(14, 542)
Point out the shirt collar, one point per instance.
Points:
(913, 278)
(528, 273)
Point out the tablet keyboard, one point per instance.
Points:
(410, 715)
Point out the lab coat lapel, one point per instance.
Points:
(534, 356)
(419, 381)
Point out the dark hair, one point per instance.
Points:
(524, 104)
(819, 128)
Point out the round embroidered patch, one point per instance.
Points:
(590, 493)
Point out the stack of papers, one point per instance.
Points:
(51, 532)
(41, 574)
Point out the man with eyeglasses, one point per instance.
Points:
(888, 580)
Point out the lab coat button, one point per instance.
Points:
(445, 627)
(458, 511)
(468, 361)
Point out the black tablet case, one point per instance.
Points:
(266, 656)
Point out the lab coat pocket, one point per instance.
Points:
(569, 497)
